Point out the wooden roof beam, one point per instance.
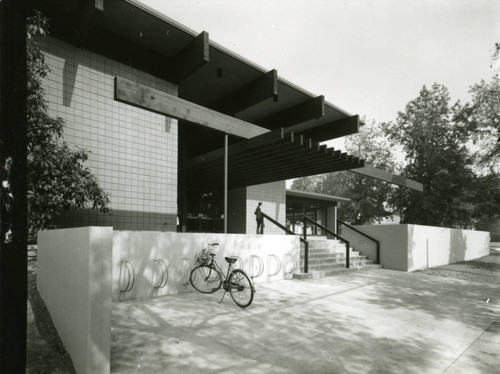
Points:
(303, 112)
(385, 176)
(260, 89)
(189, 59)
(85, 21)
(333, 130)
(149, 98)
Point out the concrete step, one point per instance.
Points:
(325, 244)
(334, 259)
(326, 267)
(333, 272)
(326, 254)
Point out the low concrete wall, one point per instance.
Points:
(74, 280)
(414, 247)
(150, 264)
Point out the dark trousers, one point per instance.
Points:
(260, 226)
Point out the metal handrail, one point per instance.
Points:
(336, 236)
(290, 232)
(365, 235)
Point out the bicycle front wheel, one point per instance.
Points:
(205, 279)
(241, 288)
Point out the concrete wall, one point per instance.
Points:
(133, 151)
(413, 247)
(74, 281)
(136, 258)
(273, 197)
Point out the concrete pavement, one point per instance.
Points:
(380, 321)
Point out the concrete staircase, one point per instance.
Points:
(327, 258)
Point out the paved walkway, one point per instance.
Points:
(380, 321)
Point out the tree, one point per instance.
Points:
(482, 117)
(368, 196)
(57, 177)
(437, 157)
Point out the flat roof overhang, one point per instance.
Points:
(313, 196)
(206, 73)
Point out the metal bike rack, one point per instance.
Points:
(294, 264)
(128, 268)
(261, 266)
(239, 261)
(190, 263)
(278, 268)
(162, 267)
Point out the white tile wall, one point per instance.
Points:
(273, 197)
(133, 151)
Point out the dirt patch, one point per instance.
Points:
(485, 269)
(45, 352)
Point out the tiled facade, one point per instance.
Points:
(273, 197)
(133, 151)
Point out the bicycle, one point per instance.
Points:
(208, 278)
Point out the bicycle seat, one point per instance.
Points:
(231, 260)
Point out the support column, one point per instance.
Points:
(225, 181)
(13, 201)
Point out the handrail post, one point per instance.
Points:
(306, 247)
(347, 255)
(306, 256)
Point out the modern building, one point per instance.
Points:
(161, 108)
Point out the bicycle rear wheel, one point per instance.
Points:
(205, 279)
(241, 288)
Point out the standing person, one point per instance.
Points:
(260, 219)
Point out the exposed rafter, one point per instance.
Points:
(277, 155)
(303, 112)
(85, 21)
(332, 130)
(190, 59)
(385, 176)
(146, 97)
(262, 88)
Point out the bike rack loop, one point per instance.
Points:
(240, 262)
(130, 275)
(190, 267)
(278, 268)
(294, 262)
(162, 266)
(261, 266)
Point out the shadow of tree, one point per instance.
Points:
(389, 322)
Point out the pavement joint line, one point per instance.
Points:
(470, 345)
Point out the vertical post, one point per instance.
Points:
(13, 196)
(347, 255)
(225, 181)
(306, 246)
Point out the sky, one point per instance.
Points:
(367, 57)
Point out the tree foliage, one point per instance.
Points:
(436, 156)
(368, 196)
(482, 117)
(57, 177)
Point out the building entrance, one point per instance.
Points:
(295, 222)
(204, 210)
